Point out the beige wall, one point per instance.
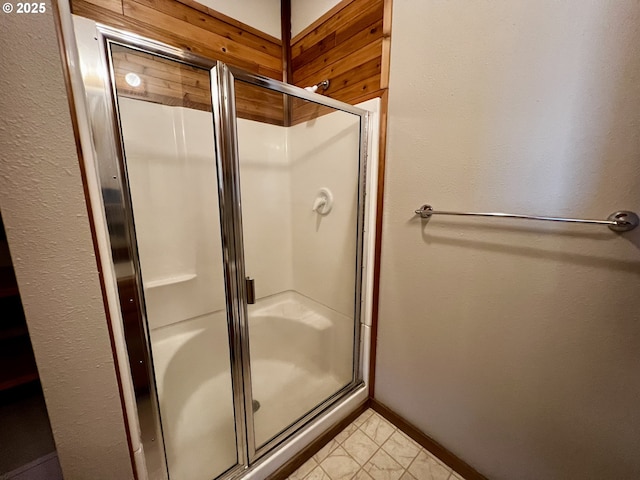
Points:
(514, 344)
(45, 215)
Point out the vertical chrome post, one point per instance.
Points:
(365, 125)
(226, 140)
(114, 184)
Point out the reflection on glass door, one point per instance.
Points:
(299, 174)
(167, 131)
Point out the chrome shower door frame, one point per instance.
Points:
(112, 172)
(223, 91)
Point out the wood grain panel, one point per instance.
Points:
(233, 51)
(345, 65)
(356, 42)
(320, 21)
(172, 83)
(351, 21)
(386, 44)
(175, 39)
(231, 21)
(232, 33)
(358, 78)
(197, 31)
(113, 5)
(359, 92)
(303, 111)
(254, 103)
(162, 81)
(349, 48)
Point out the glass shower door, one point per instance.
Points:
(196, 199)
(300, 180)
(170, 179)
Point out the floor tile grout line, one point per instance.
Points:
(325, 472)
(389, 423)
(375, 443)
(380, 447)
(414, 459)
(361, 467)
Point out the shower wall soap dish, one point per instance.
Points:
(323, 202)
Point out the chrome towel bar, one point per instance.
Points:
(621, 221)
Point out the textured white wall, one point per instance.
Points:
(514, 344)
(305, 12)
(261, 14)
(324, 153)
(44, 211)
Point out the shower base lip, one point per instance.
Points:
(279, 456)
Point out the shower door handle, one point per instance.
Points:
(251, 290)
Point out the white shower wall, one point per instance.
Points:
(322, 153)
(265, 182)
(171, 167)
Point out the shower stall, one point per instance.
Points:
(237, 213)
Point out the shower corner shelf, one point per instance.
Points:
(163, 282)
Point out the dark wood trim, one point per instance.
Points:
(66, 73)
(320, 21)
(457, 464)
(382, 153)
(287, 72)
(310, 450)
(285, 18)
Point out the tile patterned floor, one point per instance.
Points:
(371, 448)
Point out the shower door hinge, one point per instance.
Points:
(251, 290)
